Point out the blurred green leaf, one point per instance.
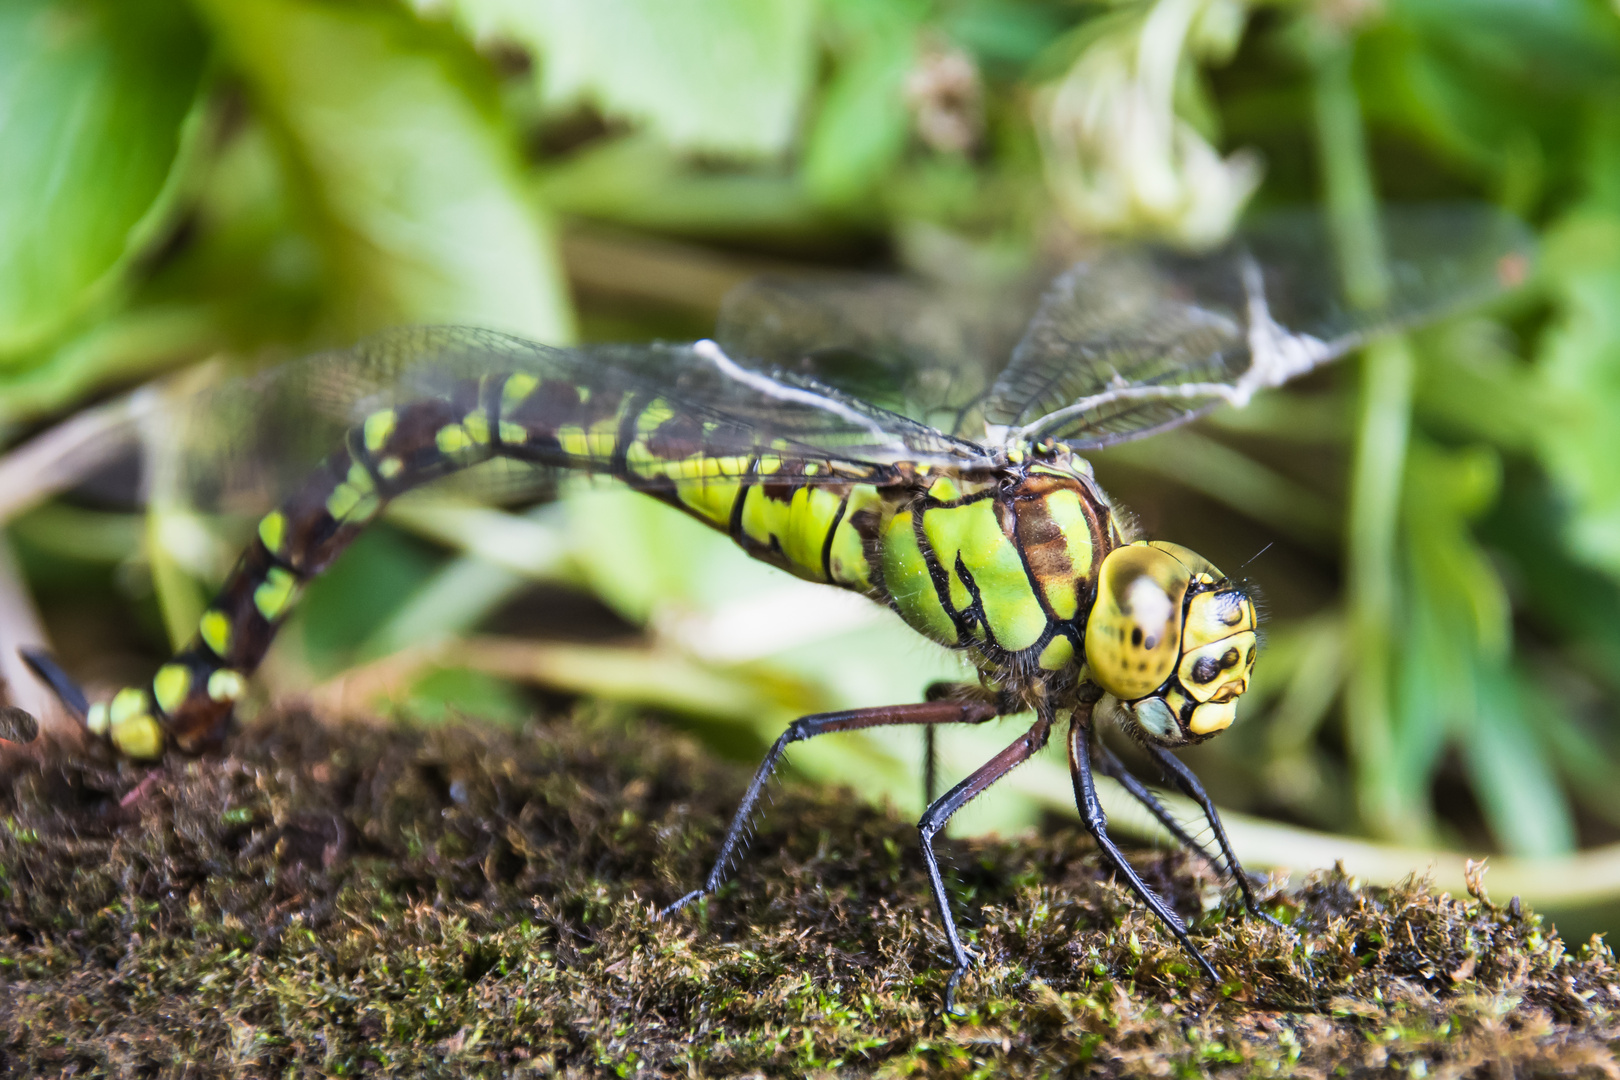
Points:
(93, 98)
(413, 186)
(638, 181)
(358, 595)
(720, 76)
(1580, 369)
(450, 694)
(1512, 777)
(861, 128)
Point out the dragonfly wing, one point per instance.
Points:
(251, 440)
(1136, 340)
(924, 350)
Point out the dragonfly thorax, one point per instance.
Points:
(1002, 564)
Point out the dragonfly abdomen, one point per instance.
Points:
(808, 514)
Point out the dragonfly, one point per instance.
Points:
(844, 434)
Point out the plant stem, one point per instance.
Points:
(1381, 439)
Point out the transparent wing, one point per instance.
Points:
(1137, 340)
(250, 440)
(924, 350)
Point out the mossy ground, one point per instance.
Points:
(474, 901)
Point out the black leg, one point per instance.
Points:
(928, 712)
(1109, 765)
(44, 665)
(1091, 812)
(1177, 774)
(940, 812)
(942, 691)
(930, 764)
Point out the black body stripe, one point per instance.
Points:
(941, 580)
(734, 527)
(827, 542)
(634, 407)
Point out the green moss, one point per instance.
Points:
(469, 900)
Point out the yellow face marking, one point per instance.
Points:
(378, 429)
(275, 593)
(1212, 717)
(1175, 699)
(226, 685)
(273, 531)
(905, 573)
(215, 630)
(1212, 616)
(1219, 671)
(1058, 654)
(171, 686)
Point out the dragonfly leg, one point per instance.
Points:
(954, 691)
(930, 764)
(1091, 812)
(1110, 765)
(807, 727)
(940, 812)
(44, 665)
(1177, 774)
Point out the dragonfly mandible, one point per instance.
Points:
(950, 488)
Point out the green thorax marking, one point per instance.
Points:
(1002, 564)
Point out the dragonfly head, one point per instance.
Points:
(1173, 639)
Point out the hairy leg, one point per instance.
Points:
(940, 812)
(1110, 765)
(1178, 775)
(1091, 812)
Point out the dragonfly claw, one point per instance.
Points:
(677, 905)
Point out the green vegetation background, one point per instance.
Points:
(242, 181)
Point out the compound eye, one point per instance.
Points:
(1134, 634)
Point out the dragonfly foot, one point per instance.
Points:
(677, 905)
(957, 972)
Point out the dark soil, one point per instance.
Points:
(475, 901)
